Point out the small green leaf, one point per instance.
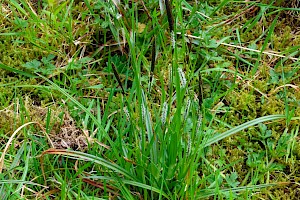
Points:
(232, 179)
(47, 59)
(96, 86)
(274, 76)
(74, 65)
(34, 64)
(20, 22)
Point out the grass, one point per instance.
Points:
(147, 100)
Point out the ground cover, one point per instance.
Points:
(149, 99)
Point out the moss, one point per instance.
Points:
(24, 110)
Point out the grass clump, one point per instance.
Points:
(144, 100)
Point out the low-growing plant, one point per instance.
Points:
(166, 97)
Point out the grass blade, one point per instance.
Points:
(230, 132)
(91, 158)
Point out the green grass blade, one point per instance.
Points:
(91, 158)
(5, 67)
(212, 192)
(241, 127)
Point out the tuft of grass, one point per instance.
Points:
(161, 100)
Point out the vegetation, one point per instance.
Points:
(149, 99)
